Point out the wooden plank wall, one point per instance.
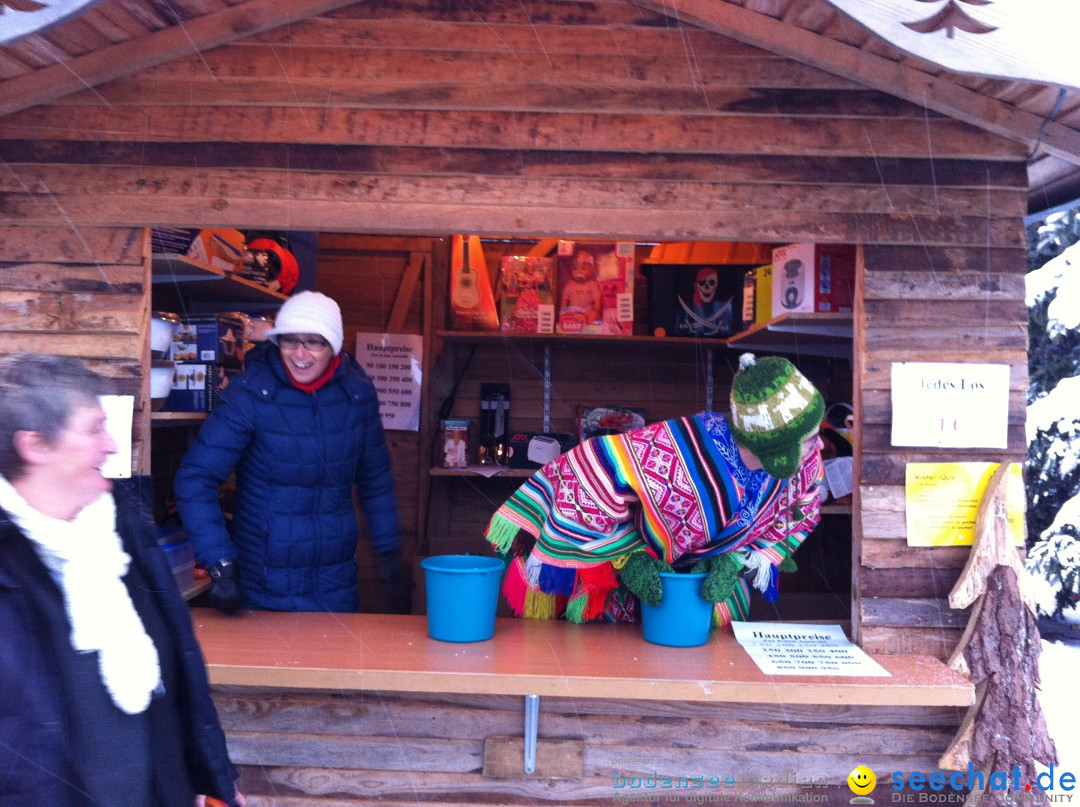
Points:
(307, 748)
(580, 119)
(82, 292)
(956, 304)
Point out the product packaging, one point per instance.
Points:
(813, 278)
(472, 304)
(455, 443)
(494, 416)
(595, 287)
(213, 338)
(526, 299)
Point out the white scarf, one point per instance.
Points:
(87, 559)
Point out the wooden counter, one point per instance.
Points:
(364, 652)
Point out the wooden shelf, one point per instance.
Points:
(206, 281)
(176, 418)
(809, 334)
(482, 470)
(836, 509)
(493, 337)
(195, 589)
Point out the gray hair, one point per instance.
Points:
(38, 393)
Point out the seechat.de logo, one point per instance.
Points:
(862, 781)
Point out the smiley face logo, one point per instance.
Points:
(861, 780)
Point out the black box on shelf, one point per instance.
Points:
(695, 301)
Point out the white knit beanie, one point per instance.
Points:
(310, 312)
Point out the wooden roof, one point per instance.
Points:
(118, 38)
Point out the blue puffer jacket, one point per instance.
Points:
(297, 456)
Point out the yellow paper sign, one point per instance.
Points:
(942, 501)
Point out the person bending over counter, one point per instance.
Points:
(731, 495)
(105, 696)
(300, 425)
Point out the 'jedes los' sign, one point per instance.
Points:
(948, 405)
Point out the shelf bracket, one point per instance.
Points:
(709, 356)
(547, 389)
(532, 722)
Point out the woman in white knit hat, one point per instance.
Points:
(301, 428)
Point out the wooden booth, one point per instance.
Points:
(386, 128)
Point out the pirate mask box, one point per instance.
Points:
(695, 301)
(810, 278)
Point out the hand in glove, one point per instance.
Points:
(224, 593)
(722, 573)
(396, 582)
(641, 575)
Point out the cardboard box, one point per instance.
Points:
(763, 293)
(811, 278)
(192, 383)
(595, 287)
(197, 386)
(214, 339)
(526, 296)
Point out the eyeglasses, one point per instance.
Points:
(313, 343)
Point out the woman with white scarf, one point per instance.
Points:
(104, 692)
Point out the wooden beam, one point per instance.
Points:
(933, 92)
(400, 308)
(142, 52)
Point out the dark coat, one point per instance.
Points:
(297, 456)
(47, 731)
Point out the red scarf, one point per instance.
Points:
(318, 382)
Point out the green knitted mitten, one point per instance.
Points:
(641, 575)
(723, 571)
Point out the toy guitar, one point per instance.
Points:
(465, 294)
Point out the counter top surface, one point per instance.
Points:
(530, 657)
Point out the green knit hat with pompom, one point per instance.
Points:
(774, 408)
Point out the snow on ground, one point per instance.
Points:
(1059, 668)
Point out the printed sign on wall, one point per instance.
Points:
(945, 405)
(393, 361)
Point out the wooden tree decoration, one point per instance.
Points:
(999, 651)
(951, 17)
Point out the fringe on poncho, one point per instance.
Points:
(676, 489)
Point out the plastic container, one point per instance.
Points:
(683, 618)
(462, 592)
(180, 555)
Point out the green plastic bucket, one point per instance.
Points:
(683, 618)
(462, 593)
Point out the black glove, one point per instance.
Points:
(396, 582)
(224, 593)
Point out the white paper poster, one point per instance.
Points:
(945, 405)
(119, 411)
(788, 648)
(393, 361)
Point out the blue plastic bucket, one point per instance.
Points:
(683, 618)
(462, 592)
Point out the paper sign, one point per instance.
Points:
(393, 361)
(950, 405)
(787, 648)
(119, 411)
(942, 501)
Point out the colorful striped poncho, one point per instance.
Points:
(676, 489)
